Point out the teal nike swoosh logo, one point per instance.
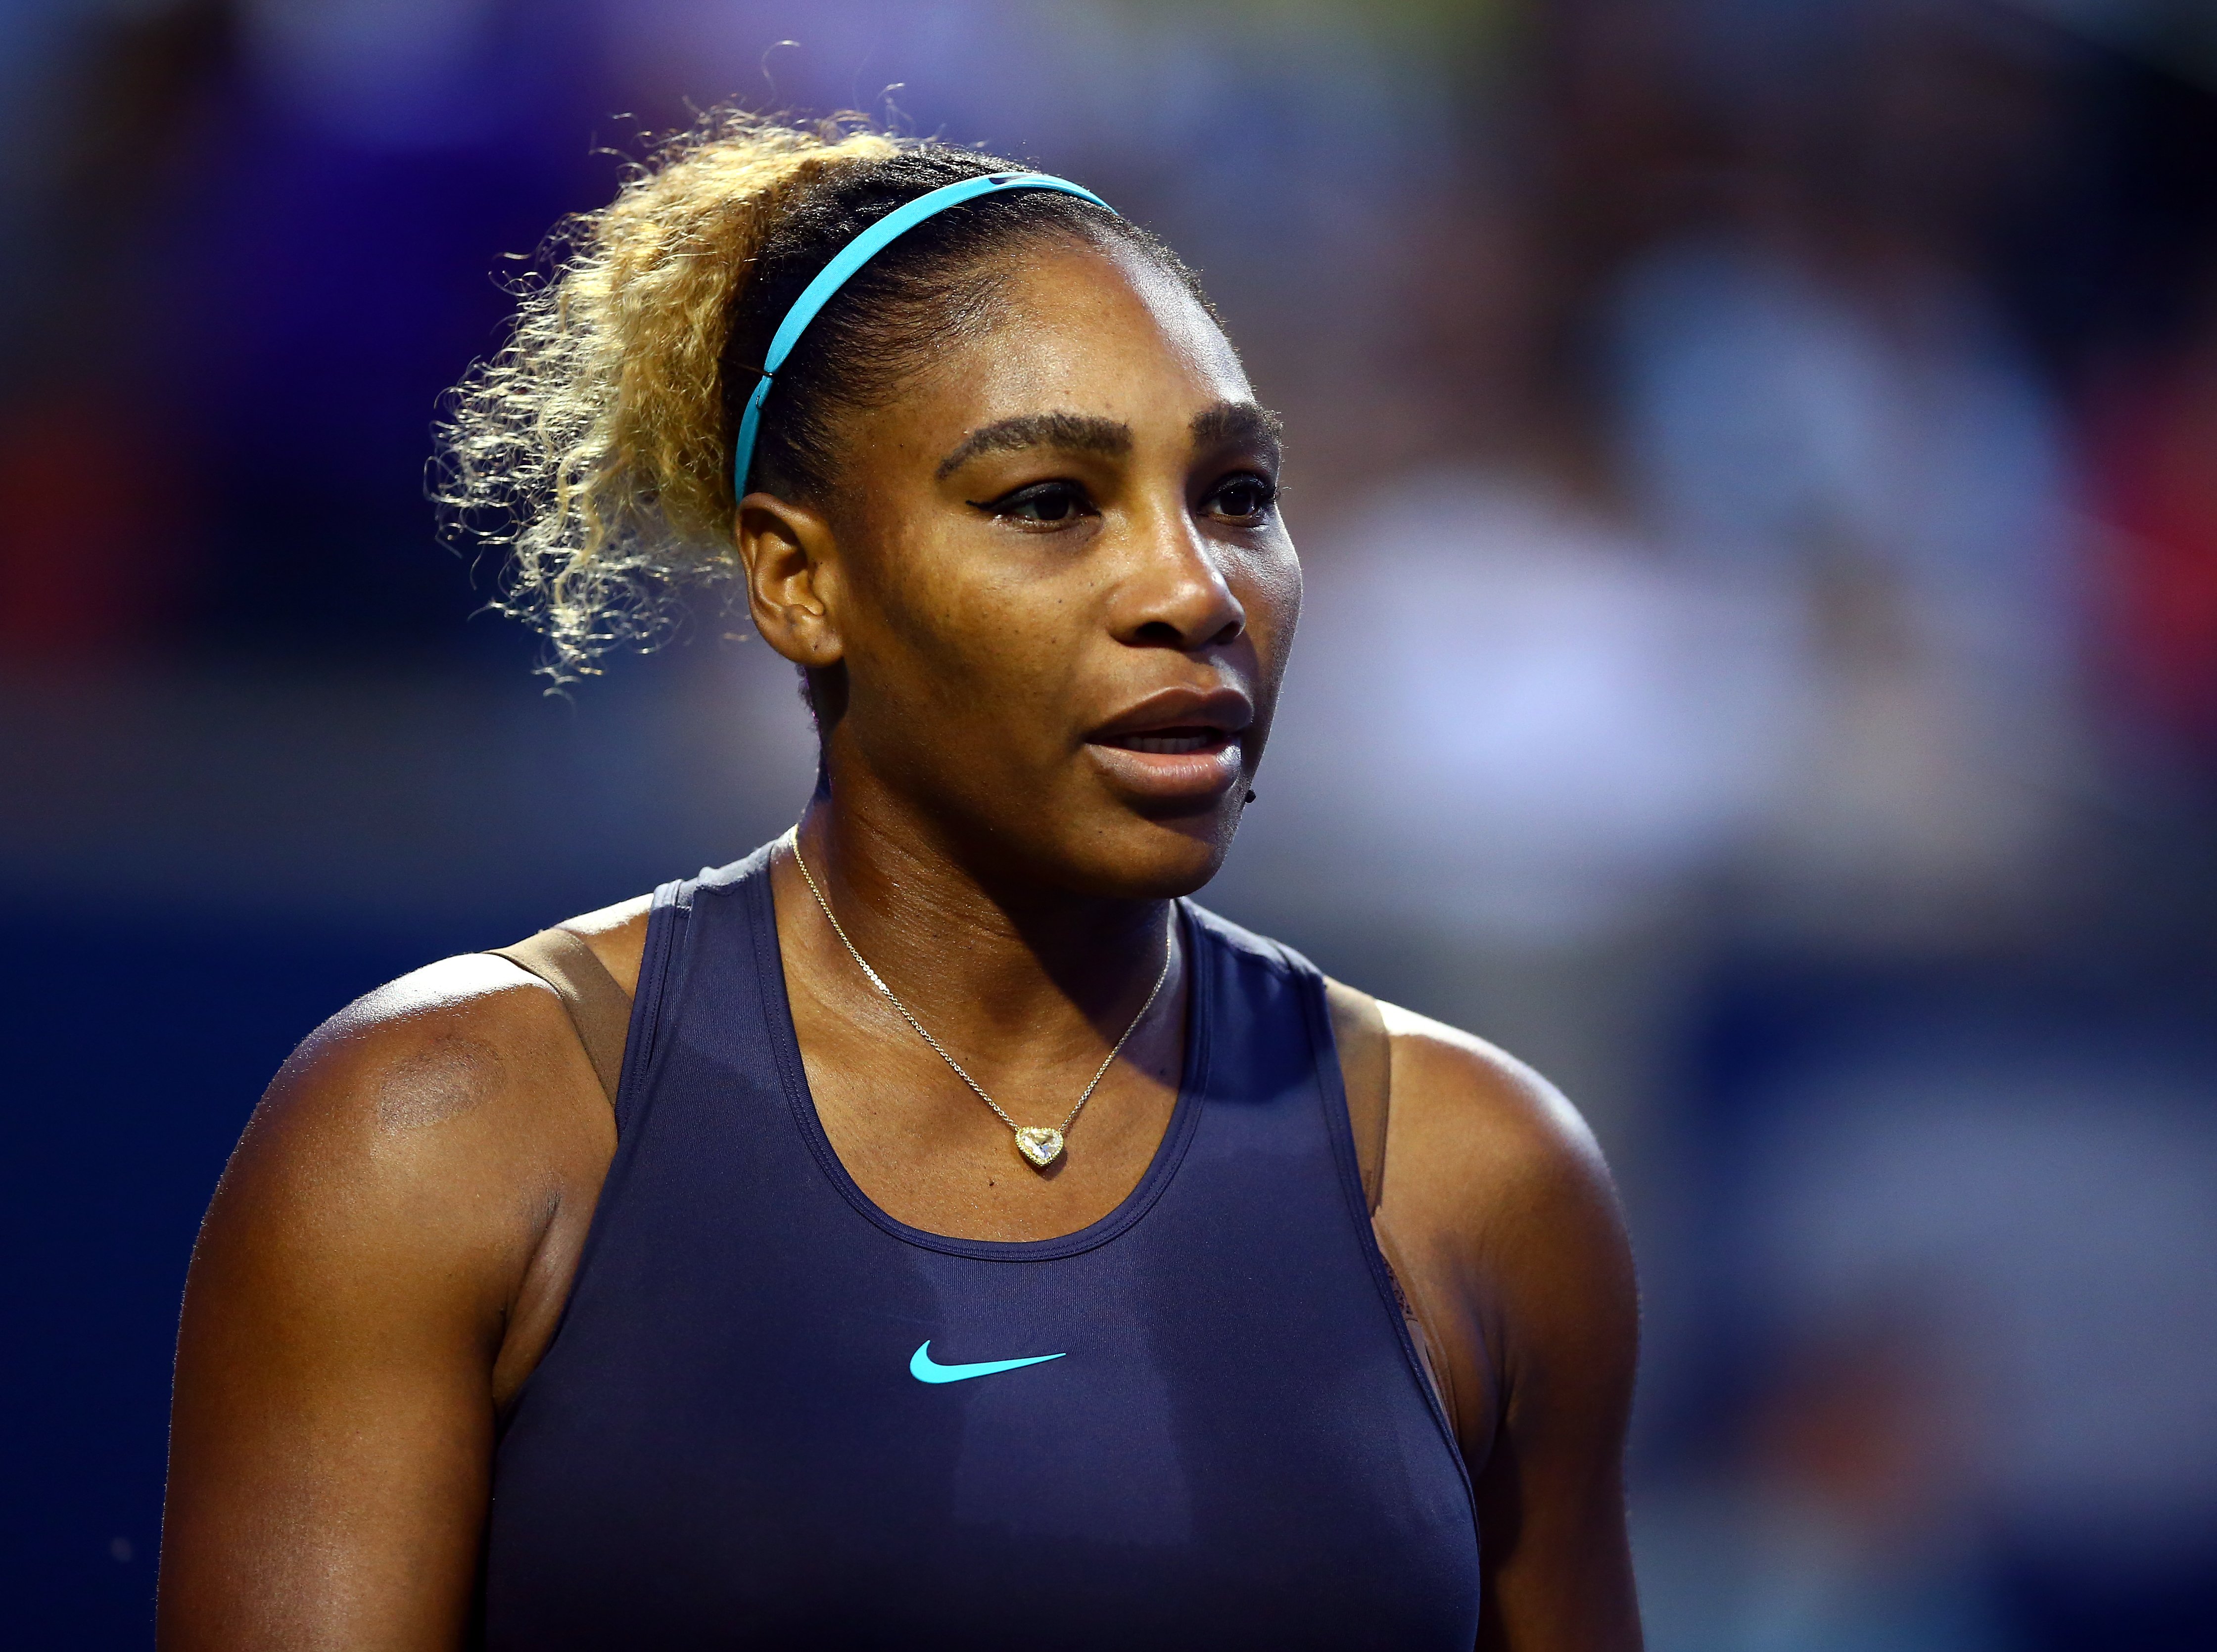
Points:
(925, 1369)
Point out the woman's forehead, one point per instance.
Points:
(1105, 335)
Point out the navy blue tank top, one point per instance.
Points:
(736, 1440)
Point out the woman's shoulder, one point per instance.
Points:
(465, 1076)
(1478, 1116)
(447, 1039)
(1501, 1217)
(1495, 1188)
(1476, 1122)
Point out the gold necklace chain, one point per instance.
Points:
(1040, 1145)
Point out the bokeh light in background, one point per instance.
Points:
(1756, 466)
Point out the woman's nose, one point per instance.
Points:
(1178, 597)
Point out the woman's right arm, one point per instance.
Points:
(385, 1259)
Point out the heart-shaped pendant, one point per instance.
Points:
(1039, 1144)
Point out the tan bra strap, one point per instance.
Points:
(599, 1008)
(1366, 1064)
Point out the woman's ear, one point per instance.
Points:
(791, 559)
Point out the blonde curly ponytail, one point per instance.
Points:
(593, 446)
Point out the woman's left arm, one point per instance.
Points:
(1501, 1215)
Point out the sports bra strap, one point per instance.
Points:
(599, 1008)
(1366, 1061)
(1366, 1065)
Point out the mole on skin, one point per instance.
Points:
(453, 1076)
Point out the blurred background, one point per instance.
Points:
(1755, 462)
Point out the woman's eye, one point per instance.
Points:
(1243, 498)
(1043, 505)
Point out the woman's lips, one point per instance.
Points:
(1172, 742)
(1170, 764)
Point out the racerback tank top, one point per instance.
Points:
(739, 1438)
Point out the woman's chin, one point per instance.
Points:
(1156, 853)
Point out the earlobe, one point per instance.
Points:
(789, 557)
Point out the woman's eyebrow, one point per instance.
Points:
(1075, 432)
(1238, 424)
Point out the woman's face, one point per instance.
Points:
(1058, 583)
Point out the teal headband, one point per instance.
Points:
(852, 256)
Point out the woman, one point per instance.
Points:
(929, 1230)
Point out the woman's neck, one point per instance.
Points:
(977, 951)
